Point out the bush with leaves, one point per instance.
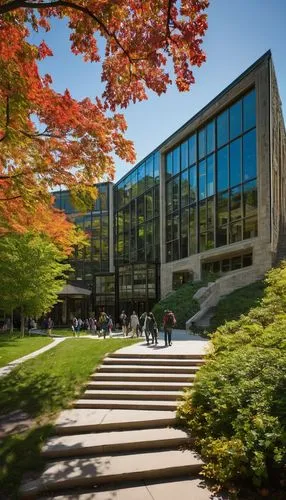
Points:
(237, 408)
(181, 302)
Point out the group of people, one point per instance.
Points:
(103, 325)
(147, 325)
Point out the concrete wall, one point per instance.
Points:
(261, 246)
(278, 168)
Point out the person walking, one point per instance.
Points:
(123, 322)
(142, 323)
(75, 327)
(103, 323)
(134, 322)
(50, 325)
(169, 322)
(153, 328)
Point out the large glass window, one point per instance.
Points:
(192, 149)
(210, 137)
(235, 163)
(222, 169)
(193, 184)
(184, 188)
(235, 120)
(249, 155)
(210, 175)
(202, 143)
(202, 180)
(249, 110)
(184, 155)
(222, 129)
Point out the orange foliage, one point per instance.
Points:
(44, 135)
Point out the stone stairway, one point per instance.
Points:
(119, 441)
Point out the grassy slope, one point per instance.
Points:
(41, 387)
(236, 303)
(14, 346)
(181, 302)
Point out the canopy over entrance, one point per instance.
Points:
(75, 291)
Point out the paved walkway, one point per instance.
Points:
(120, 441)
(5, 370)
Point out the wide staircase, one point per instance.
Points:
(120, 440)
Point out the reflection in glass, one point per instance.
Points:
(235, 163)
(210, 137)
(222, 129)
(193, 184)
(176, 160)
(250, 228)
(210, 175)
(250, 199)
(193, 231)
(176, 192)
(249, 155)
(235, 203)
(222, 169)
(202, 180)
(184, 188)
(192, 149)
(249, 111)
(235, 119)
(184, 155)
(202, 143)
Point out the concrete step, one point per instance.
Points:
(150, 361)
(118, 394)
(83, 472)
(103, 420)
(138, 386)
(124, 404)
(147, 369)
(184, 488)
(143, 377)
(113, 442)
(155, 356)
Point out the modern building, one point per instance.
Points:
(209, 200)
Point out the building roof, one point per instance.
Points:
(74, 290)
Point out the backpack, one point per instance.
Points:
(170, 320)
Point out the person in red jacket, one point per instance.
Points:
(169, 322)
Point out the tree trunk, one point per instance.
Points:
(22, 322)
(12, 322)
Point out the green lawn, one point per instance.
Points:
(14, 346)
(42, 387)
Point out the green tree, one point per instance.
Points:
(32, 272)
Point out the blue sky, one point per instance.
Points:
(239, 33)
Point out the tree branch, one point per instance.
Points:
(12, 198)
(64, 3)
(7, 118)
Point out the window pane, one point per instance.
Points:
(203, 216)
(176, 250)
(202, 143)
(149, 173)
(149, 204)
(176, 160)
(192, 149)
(175, 227)
(156, 201)
(210, 221)
(184, 155)
(235, 119)
(250, 199)
(169, 165)
(221, 236)
(203, 242)
(193, 231)
(210, 137)
(235, 163)
(210, 175)
(210, 240)
(222, 169)
(222, 129)
(141, 179)
(140, 210)
(249, 155)
(250, 228)
(222, 208)
(202, 180)
(235, 232)
(235, 203)
(236, 262)
(193, 184)
(249, 110)
(247, 260)
(184, 232)
(169, 252)
(169, 193)
(184, 188)
(169, 228)
(176, 192)
(156, 167)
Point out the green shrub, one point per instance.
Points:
(236, 303)
(181, 302)
(237, 407)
